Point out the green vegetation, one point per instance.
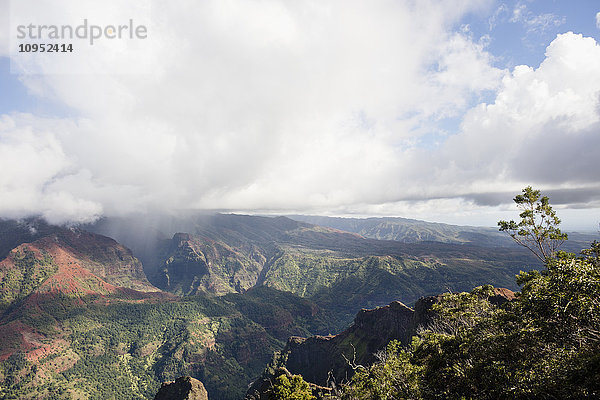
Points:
(194, 265)
(232, 253)
(282, 313)
(292, 388)
(365, 275)
(118, 349)
(27, 274)
(394, 377)
(544, 344)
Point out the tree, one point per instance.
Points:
(538, 229)
(393, 377)
(291, 388)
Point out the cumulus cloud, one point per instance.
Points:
(598, 20)
(543, 126)
(33, 162)
(305, 106)
(271, 105)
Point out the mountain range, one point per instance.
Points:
(218, 254)
(112, 309)
(415, 231)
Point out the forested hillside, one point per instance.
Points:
(542, 343)
(218, 254)
(79, 319)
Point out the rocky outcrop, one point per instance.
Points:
(323, 360)
(196, 264)
(501, 296)
(424, 314)
(183, 388)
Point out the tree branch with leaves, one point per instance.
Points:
(538, 229)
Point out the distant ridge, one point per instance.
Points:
(407, 230)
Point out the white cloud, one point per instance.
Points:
(519, 13)
(275, 105)
(318, 110)
(542, 127)
(33, 162)
(498, 16)
(598, 20)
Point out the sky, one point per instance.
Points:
(434, 110)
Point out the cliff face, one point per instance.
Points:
(101, 256)
(198, 264)
(54, 269)
(76, 311)
(325, 359)
(319, 359)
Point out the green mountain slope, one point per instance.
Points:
(340, 271)
(123, 347)
(73, 327)
(344, 283)
(81, 321)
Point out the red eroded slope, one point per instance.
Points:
(102, 256)
(70, 262)
(85, 267)
(71, 277)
